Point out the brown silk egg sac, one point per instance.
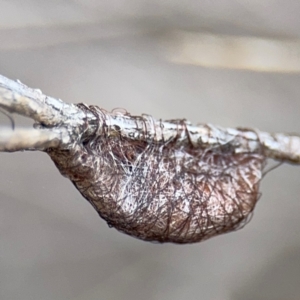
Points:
(164, 191)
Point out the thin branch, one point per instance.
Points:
(82, 121)
(18, 98)
(49, 113)
(29, 139)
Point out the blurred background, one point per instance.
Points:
(231, 63)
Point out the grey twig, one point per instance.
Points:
(54, 115)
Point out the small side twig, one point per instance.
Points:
(29, 139)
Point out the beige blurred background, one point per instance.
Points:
(232, 63)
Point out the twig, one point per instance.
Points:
(28, 139)
(49, 112)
